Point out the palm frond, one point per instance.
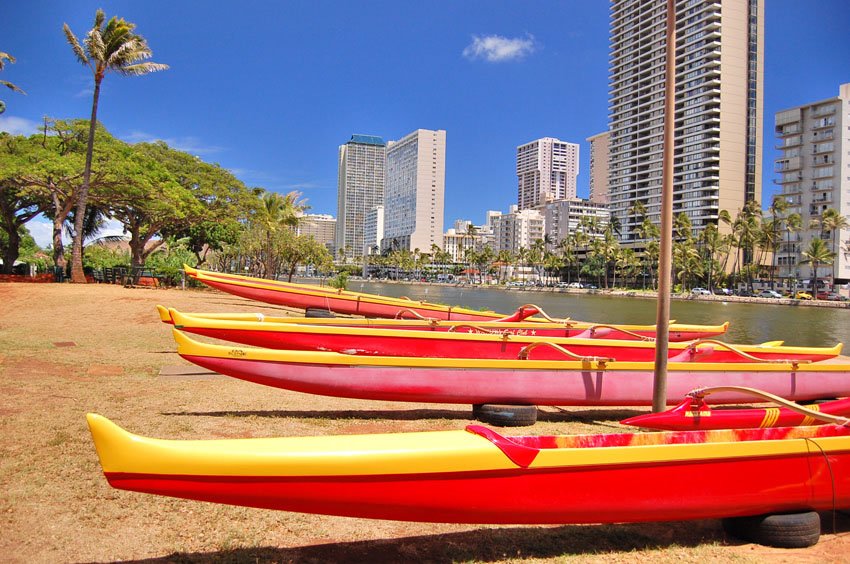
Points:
(75, 45)
(5, 57)
(95, 45)
(99, 16)
(11, 86)
(141, 68)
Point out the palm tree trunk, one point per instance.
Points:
(77, 275)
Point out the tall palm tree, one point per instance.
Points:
(832, 221)
(3, 58)
(817, 254)
(113, 47)
(777, 211)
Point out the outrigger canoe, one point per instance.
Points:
(560, 328)
(525, 381)
(305, 296)
(694, 413)
(479, 476)
(479, 343)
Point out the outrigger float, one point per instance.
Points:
(516, 323)
(694, 413)
(586, 381)
(480, 476)
(471, 341)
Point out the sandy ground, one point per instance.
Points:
(66, 350)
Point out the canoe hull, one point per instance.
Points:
(480, 476)
(343, 303)
(590, 495)
(443, 345)
(689, 415)
(519, 386)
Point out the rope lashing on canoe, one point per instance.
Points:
(793, 362)
(565, 321)
(476, 329)
(416, 315)
(621, 330)
(526, 350)
(700, 394)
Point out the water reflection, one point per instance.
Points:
(750, 323)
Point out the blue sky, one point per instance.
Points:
(271, 89)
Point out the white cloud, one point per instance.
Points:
(496, 49)
(191, 145)
(18, 126)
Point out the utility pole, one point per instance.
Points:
(665, 259)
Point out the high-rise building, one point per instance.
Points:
(360, 188)
(415, 191)
(599, 154)
(546, 171)
(565, 217)
(814, 175)
(517, 229)
(373, 231)
(718, 109)
(321, 227)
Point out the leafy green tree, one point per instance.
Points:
(113, 47)
(17, 207)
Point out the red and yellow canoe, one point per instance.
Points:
(305, 296)
(589, 381)
(563, 328)
(469, 341)
(480, 476)
(694, 413)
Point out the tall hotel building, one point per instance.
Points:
(599, 153)
(814, 175)
(546, 170)
(415, 191)
(360, 188)
(718, 108)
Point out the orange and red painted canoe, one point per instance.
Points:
(694, 413)
(560, 328)
(469, 341)
(588, 381)
(477, 475)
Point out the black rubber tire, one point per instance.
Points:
(502, 415)
(318, 312)
(789, 530)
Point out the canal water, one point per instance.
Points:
(749, 323)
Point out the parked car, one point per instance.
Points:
(770, 294)
(833, 297)
(723, 292)
(574, 285)
(700, 292)
(802, 295)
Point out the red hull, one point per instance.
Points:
(524, 386)
(344, 305)
(693, 414)
(623, 493)
(408, 343)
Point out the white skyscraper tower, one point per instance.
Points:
(360, 189)
(546, 171)
(415, 191)
(718, 109)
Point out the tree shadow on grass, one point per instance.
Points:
(591, 416)
(483, 545)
